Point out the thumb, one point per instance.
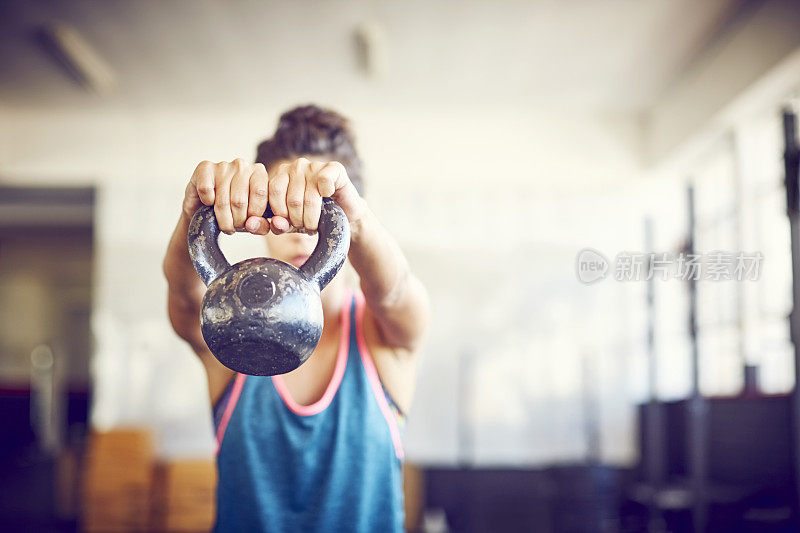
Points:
(280, 225)
(257, 225)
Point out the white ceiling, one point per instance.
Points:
(606, 55)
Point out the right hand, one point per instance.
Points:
(237, 190)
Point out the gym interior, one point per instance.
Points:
(600, 199)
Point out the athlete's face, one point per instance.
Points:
(292, 248)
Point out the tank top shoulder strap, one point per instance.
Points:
(370, 373)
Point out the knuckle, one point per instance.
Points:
(260, 193)
(275, 187)
(238, 203)
(220, 170)
(221, 204)
(294, 203)
(310, 201)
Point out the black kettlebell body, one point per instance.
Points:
(262, 316)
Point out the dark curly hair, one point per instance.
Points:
(312, 130)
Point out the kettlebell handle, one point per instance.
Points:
(320, 268)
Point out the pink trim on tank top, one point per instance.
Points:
(375, 380)
(236, 391)
(338, 371)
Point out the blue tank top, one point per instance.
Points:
(334, 465)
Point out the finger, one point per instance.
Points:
(191, 202)
(326, 185)
(240, 192)
(222, 203)
(331, 178)
(203, 181)
(279, 225)
(278, 182)
(257, 225)
(295, 192)
(259, 191)
(312, 205)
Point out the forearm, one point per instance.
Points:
(185, 288)
(378, 259)
(178, 269)
(397, 299)
(184, 302)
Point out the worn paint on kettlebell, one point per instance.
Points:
(262, 316)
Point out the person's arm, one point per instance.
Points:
(211, 184)
(396, 299)
(185, 289)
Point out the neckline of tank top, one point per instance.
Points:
(338, 371)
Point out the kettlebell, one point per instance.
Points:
(262, 316)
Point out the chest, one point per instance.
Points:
(344, 420)
(307, 384)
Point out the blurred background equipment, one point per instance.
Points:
(501, 138)
(46, 279)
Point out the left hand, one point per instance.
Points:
(295, 193)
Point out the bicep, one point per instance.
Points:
(402, 319)
(397, 367)
(218, 376)
(184, 314)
